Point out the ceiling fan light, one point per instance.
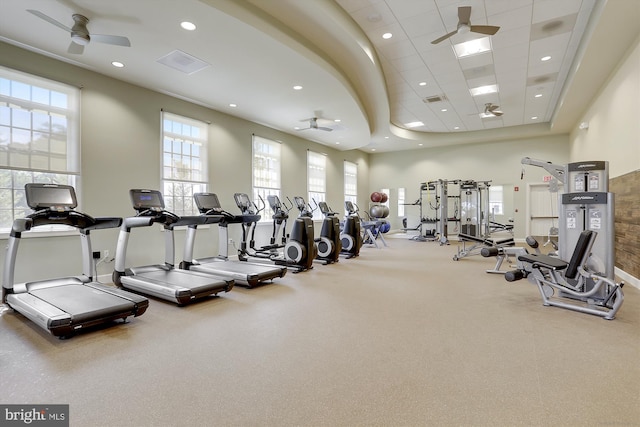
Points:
(464, 29)
(81, 39)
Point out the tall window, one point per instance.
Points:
(350, 182)
(496, 200)
(401, 202)
(316, 179)
(266, 172)
(184, 162)
(39, 138)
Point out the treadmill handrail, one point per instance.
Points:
(196, 220)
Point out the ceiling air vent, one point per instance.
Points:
(434, 98)
(182, 61)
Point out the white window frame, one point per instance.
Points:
(316, 180)
(401, 201)
(496, 200)
(183, 162)
(266, 172)
(350, 183)
(39, 140)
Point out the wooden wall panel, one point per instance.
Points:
(627, 221)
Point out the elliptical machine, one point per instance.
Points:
(328, 245)
(350, 235)
(298, 250)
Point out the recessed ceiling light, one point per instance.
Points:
(373, 149)
(387, 36)
(422, 83)
(414, 124)
(337, 120)
(538, 95)
(386, 137)
(472, 47)
(117, 64)
(483, 90)
(456, 128)
(534, 118)
(296, 127)
(444, 110)
(189, 26)
(545, 58)
(233, 105)
(337, 142)
(297, 87)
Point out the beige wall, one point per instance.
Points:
(120, 134)
(498, 162)
(614, 120)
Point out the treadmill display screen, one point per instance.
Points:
(146, 199)
(207, 201)
(41, 196)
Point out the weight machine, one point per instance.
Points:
(586, 282)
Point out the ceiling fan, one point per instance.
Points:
(313, 124)
(80, 36)
(464, 25)
(492, 110)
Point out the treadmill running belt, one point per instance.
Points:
(83, 303)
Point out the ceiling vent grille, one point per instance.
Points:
(434, 98)
(181, 61)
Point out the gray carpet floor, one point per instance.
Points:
(401, 336)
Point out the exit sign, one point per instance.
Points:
(547, 178)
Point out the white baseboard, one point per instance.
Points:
(627, 278)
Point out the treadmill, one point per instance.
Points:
(162, 280)
(244, 273)
(64, 306)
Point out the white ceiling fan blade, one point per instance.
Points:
(75, 48)
(484, 29)
(446, 36)
(49, 19)
(324, 128)
(108, 39)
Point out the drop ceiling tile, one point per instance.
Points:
(374, 16)
(395, 50)
(552, 27)
(421, 24)
(545, 10)
(496, 7)
(512, 18)
(407, 63)
(408, 8)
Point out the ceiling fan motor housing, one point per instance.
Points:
(79, 32)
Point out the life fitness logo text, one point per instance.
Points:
(36, 415)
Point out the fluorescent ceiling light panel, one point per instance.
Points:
(483, 90)
(472, 47)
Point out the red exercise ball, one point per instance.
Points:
(384, 198)
(376, 197)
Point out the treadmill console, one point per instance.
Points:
(147, 200)
(50, 196)
(207, 202)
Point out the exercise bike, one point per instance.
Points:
(298, 250)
